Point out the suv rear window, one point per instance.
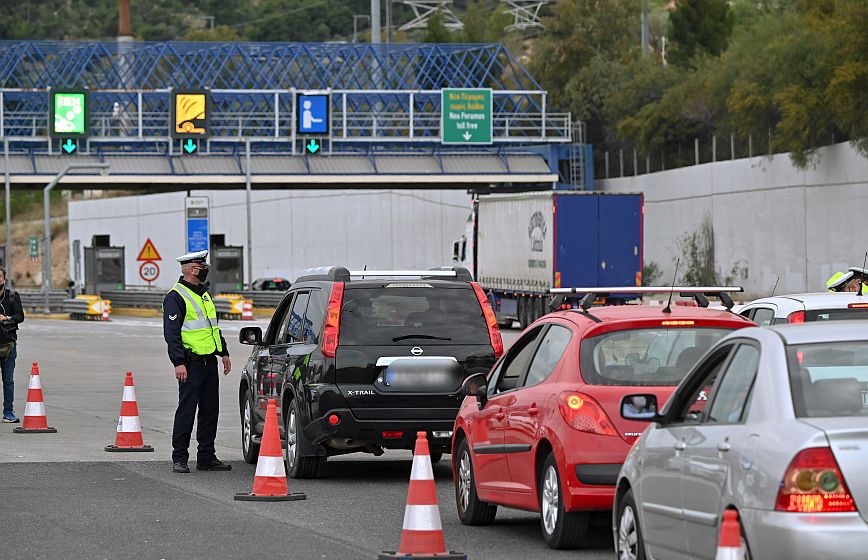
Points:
(836, 314)
(829, 378)
(645, 357)
(402, 314)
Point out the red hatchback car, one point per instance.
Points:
(543, 430)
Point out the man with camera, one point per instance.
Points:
(11, 315)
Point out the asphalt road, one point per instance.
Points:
(63, 496)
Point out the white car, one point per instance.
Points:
(802, 308)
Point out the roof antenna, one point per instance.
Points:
(668, 308)
(861, 276)
(776, 286)
(364, 268)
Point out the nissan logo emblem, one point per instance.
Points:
(416, 351)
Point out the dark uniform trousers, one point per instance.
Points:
(202, 390)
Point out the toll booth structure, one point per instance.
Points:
(227, 266)
(104, 267)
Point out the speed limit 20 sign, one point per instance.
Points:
(149, 271)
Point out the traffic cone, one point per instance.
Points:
(269, 484)
(105, 311)
(247, 310)
(729, 542)
(35, 421)
(422, 534)
(129, 433)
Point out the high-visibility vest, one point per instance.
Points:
(199, 332)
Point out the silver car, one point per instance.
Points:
(771, 422)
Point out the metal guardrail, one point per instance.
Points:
(262, 298)
(150, 299)
(32, 300)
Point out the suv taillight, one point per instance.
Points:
(585, 414)
(333, 321)
(813, 483)
(796, 317)
(490, 320)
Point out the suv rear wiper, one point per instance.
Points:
(425, 336)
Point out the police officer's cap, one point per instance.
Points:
(838, 280)
(857, 270)
(199, 257)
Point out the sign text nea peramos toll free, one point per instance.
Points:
(466, 116)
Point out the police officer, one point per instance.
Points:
(194, 340)
(842, 282)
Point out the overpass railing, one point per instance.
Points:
(119, 119)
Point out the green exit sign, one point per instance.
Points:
(34, 247)
(68, 114)
(465, 116)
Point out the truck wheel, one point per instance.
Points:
(542, 307)
(297, 465)
(522, 312)
(249, 449)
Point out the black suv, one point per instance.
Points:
(361, 361)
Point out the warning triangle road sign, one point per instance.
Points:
(149, 252)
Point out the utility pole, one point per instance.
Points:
(375, 21)
(645, 29)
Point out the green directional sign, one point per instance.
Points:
(465, 116)
(68, 114)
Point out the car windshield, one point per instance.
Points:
(400, 315)
(836, 314)
(829, 378)
(645, 357)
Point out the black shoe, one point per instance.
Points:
(215, 465)
(180, 468)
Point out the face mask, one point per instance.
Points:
(202, 274)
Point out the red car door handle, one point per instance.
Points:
(533, 411)
(500, 415)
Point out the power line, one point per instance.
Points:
(314, 4)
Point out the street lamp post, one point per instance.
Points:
(46, 244)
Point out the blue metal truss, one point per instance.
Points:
(157, 65)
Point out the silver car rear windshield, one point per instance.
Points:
(829, 378)
(645, 357)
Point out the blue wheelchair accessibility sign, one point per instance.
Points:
(313, 114)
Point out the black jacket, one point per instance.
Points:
(174, 309)
(10, 305)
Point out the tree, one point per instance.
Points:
(578, 58)
(437, 32)
(699, 27)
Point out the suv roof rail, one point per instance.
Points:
(461, 273)
(328, 273)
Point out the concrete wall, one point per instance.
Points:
(775, 219)
(292, 230)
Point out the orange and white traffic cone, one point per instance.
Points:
(35, 421)
(105, 311)
(129, 433)
(247, 310)
(422, 534)
(269, 484)
(729, 542)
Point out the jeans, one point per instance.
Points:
(7, 365)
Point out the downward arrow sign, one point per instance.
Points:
(190, 147)
(68, 146)
(312, 146)
(467, 136)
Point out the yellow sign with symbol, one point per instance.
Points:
(190, 114)
(149, 252)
